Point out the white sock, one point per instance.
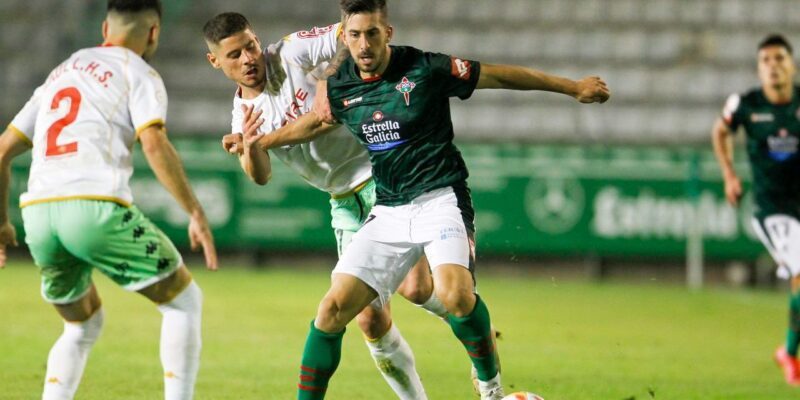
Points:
(491, 389)
(394, 359)
(180, 342)
(434, 306)
(68, 357)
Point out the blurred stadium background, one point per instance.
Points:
(626, 189)
(551, 178)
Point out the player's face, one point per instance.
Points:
(367, 35)
(239, 56)
(776, 67)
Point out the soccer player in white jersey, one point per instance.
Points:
(280, 83)
(82, 124)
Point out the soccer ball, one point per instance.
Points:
(523, 396)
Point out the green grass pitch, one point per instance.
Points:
(562, 340)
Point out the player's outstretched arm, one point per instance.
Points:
(591, 89)
(723, 149)
(167, 167)
(302, 130)
(11, 145)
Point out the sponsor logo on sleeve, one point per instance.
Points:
(461, 69)
(315, 32)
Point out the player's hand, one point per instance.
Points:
(592, 89)
(200, 236)
(322, 107)
(252, 122)
(232, 143)
(733, 189)
(8, 236)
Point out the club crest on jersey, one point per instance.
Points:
(405, 87)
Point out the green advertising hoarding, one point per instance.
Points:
(603, 201)
(529, 200)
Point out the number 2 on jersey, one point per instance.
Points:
(53, 149)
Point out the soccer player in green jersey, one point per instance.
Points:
(395, 100)
(335, 163)
(770, 116)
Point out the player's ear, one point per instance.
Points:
(389, 33)
(105, 29)
(213, 60)
(152, 35)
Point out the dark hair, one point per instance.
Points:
(134, 6)
(350, 7)
(224, 25)
(775, 40)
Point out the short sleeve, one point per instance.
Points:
(732, 112)
(307, 49)
(237, 117)
(458, 76)
(148, 100)
(24, 123)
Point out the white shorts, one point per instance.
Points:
(780, 234)
(393, 238)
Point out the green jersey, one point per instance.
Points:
(773, 134)
(403, 119)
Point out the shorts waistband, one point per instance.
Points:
(358, 188)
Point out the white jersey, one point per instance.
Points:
(83, 122)
(335, 162)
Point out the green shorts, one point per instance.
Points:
(67, 239)
(349, 212)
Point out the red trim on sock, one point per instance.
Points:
(311, 388)
(479, 354)
(315, 371)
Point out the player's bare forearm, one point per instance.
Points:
(256, 164)
(521, 78)
(168, 168)
(723, 148)
(587, 90)
(342, 54)
(11, 146)
(303, 130)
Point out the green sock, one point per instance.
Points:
(793, 333)
(475, 332)
(320, 359)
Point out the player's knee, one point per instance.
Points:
(85, 333)
(416, 292)
(374, 323)
(458, 301)
(329, 316)
(188, 301)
